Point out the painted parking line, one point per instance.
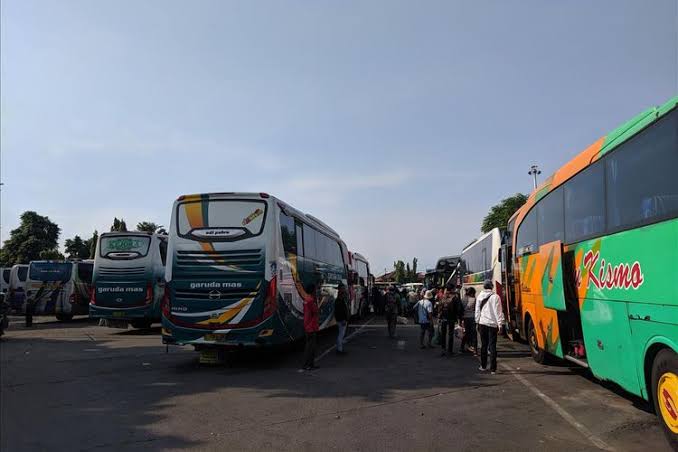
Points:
(599, 443)
(347, 338)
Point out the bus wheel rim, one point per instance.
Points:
(667, 397)
(533, 340)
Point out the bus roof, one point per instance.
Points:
(359, 257)
(594, 152)
(470, 245)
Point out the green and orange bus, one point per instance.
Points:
(591, 262)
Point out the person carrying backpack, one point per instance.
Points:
(490, 319)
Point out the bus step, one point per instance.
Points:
(577, 361)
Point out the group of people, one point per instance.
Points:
(476, 314)
(439, 311)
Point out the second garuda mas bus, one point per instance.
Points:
(129, 279)
(238, 269)
(594, 257)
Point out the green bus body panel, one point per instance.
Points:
(619, 322)
(635, 125)
(552, 278)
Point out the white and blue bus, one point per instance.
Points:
(61, 288)
(16, 293)
(238, 268)
(129, 279)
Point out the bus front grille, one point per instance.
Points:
(215, 295)
(245, 259)
(125, 271)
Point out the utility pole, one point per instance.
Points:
(534, 171)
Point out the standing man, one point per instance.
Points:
(490, 318)
(391, 309)
(311, 325)
(425, 316)
(341, 316)
(470, 338)
(450, 312)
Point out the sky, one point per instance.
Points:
(397, 123)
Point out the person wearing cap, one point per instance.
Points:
(341, 316)
(490, 319)
(425, 316)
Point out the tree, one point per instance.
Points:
(51, 255)
(92, 244)
(414, 270)
(149, 226)
(399, 273)
(118, 225)
(76, 248)
(34, 235)
(499, 215)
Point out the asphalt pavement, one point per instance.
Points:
(78, 386)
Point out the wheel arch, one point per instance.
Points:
(652, 348)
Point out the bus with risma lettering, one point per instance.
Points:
(238, 269)
(592, 262)
(129, 279)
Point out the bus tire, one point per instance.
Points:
(64, 317)
(141, 324)
(538, 354)
(665, 383)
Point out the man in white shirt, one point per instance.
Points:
(425, 316)
(490, 319)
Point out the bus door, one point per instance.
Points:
(510, 309)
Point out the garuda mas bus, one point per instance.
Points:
(61, 288)
(594, 262)
(16, 294)
(129, 279)
(238, 268)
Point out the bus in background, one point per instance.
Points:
(129, 279)
(481, 260)
(4, 279)
(594, 254)
(239, 265)
(360, 286)
(59, 288)
(440, 276)
(16, 294)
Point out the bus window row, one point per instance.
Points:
(631, 186)
(303, 240)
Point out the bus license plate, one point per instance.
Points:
(118, 314)
(215, 337)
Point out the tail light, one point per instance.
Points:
(149, 293)
(271, 301)
(93, 295)
(166, 305)
(72, 298)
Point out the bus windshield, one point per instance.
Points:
(22, 272)
(221, 219)
(50, 271)
(124, 246)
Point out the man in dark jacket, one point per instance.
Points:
(451, 310)
(341, 316)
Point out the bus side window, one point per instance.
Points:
(300, 240)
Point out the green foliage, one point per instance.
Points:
(51, 255)
(92, 244)
(77, 248)
(149, 226)
(403, 273)
(499, 215)
(118, 225)
(35, 234)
